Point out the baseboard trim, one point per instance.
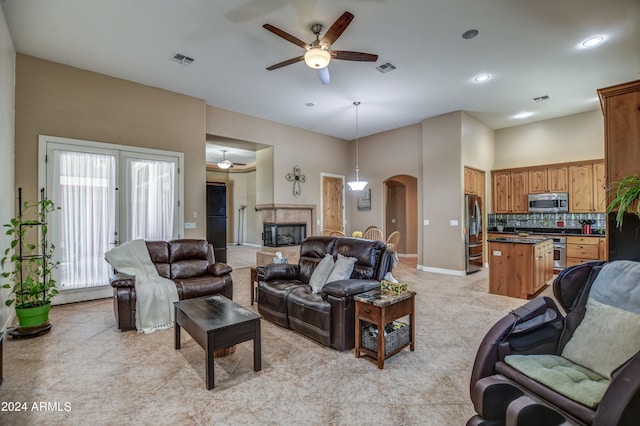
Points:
(443, 271)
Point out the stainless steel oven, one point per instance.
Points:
(559, 253)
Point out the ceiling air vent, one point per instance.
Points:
(386, 67)
(182, 59)
(541, 98)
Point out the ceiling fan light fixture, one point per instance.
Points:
(317, 58)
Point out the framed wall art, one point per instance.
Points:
(364, 200)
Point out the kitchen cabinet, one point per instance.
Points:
(584, 249)
(473, 181)
(510, 191)
(587, 188)
(599, 187)
(520, 267)
(621, 110)
(581, 188)
(548, 179)
(557, 178)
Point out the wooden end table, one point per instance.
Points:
(381, 308)
(216, 322)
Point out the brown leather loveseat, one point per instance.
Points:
(286, 298)
(190, 264)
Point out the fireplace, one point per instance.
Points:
(283, 234)
(285, 226)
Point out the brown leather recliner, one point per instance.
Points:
(525, 374)
(189, 263)
(285, 296)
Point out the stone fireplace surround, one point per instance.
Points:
(283, 214)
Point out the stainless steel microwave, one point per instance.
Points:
(550, 202)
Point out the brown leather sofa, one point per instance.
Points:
(285, 296)
(190, 264)
(550, 393)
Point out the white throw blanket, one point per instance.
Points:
(154, 294)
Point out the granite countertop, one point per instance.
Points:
(545, 231)
(379, 298)
(519, 240)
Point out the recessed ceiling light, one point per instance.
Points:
(310, 104)
(593, 41)
(522, 115)
(481, 78)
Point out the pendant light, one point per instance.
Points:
(357, 185)
(224, 164)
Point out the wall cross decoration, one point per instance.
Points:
(297, 178)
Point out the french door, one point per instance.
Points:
(107, 194)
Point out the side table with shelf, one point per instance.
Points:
(379, 308)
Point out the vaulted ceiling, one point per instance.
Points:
(530, 49)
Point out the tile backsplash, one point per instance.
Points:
(548, 220)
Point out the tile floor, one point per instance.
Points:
(91, 373)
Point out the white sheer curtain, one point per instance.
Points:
(152, 199)
(85, 193)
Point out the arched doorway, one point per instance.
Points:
(401, 212)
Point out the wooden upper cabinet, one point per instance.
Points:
(599, 187)
(520, 191)
(581, 188)
(621, 109)
(558, 179)
(473, 181)
(501, 192)
(537, 181)
(548, 179)
(510, 191)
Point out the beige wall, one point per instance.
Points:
(569, 138)
(59, 100)
(442, 182)
(312, 152)
(381, 156)
(7, 158)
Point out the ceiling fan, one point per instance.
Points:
(225, 164)
(318, 53)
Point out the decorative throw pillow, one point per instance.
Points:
(342, 269)
(321, 273)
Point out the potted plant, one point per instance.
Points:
(500, 224)
(30, 280)
(625, 200)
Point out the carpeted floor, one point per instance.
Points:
(88, 372)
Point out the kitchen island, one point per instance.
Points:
(519, 266)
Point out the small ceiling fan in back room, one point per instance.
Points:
(318, 53)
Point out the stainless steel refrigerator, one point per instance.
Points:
(472, 232)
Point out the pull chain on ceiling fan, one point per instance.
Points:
(318, 54)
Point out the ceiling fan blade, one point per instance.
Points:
(337, 29)
(346, 55)
(323, 75)
(285, 63)
(285, 35)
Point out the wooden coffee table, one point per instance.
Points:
(216, 322)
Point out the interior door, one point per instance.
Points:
(333, 202)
